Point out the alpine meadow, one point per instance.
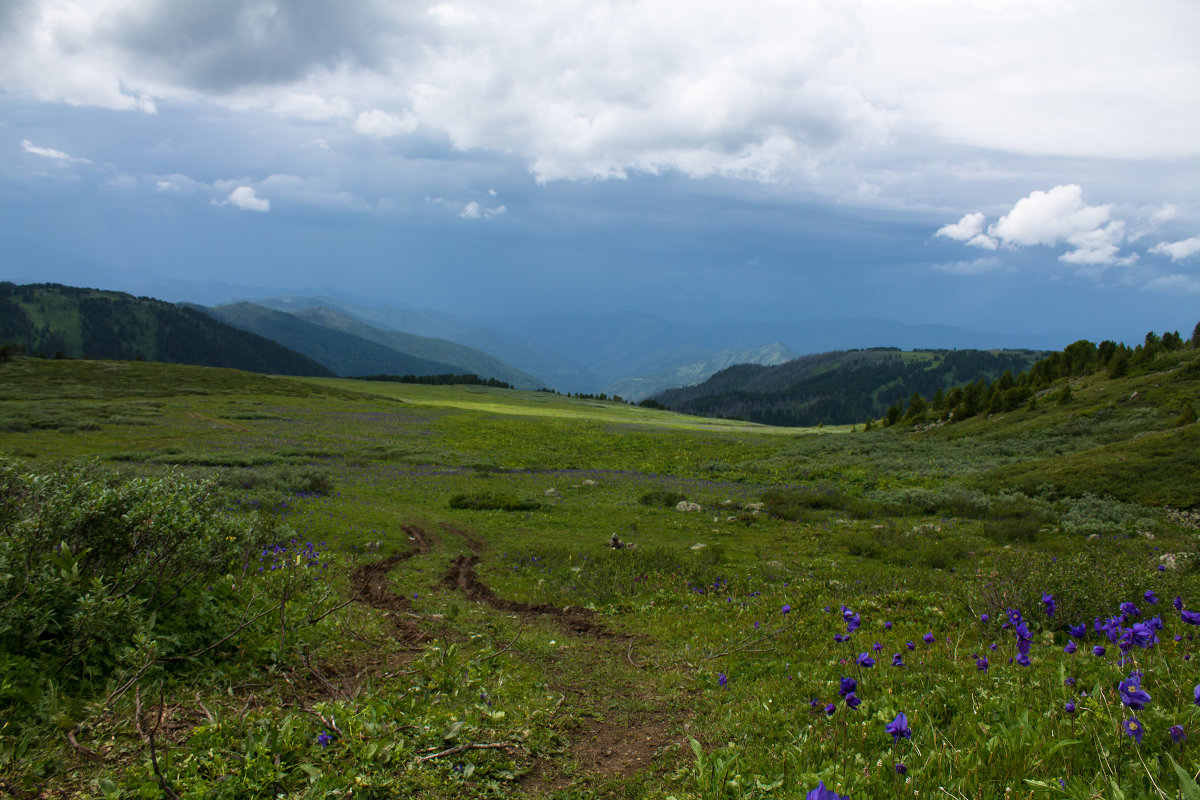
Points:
(225, 585)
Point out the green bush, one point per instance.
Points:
(661, 497)
(493, 501)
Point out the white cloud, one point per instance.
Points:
(969, 229)
(245, 198)
(471, 211)
(1174, 284)
(50, 152)
(978, 266)
(1178, 250)
(313, 107)
(382, 125)
(1050, 218)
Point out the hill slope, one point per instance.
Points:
(465, 359)
(840, 387)
(343, 353)
(91, 323)
(689, 374)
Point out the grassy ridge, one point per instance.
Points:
(732, 609)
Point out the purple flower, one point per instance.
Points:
(898, 728)
(897, 661)
(865, 661)
(1023, 659)
(887, 626)
(1098, 650)
(984, 617)
(877, 647)
(1133, 729)
(910, 645)
(722, 679)
(1141, 635)
(1132, 694)
(822, 793)
(1177, 734)
(1077, 631)
(1130, 610)
(1051, 606)
(853, 623)
(787, 609)
(830, 710)
(853, 701)
(1196, 694)
(1150, 597)
(901, 769)
(1190, 617)
(1070, 648)
(848, 685)
(981, 664)
(324, 739)
(928, 638)
(1178, 603)
(1069, 707)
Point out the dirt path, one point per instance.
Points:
(370, 583)
(606, 742)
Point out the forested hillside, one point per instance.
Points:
(64, 321)
(839, 387)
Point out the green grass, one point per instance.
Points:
(924, 529)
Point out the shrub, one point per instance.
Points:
(493, 501)
(661, 497)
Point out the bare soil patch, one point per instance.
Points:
(372, 587)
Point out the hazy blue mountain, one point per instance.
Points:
(466, 359)
(642, 386)
(344, 353)
(51, 319)
(530, 356)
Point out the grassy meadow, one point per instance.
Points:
(225, 585)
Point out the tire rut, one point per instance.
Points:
(370, 583)
(461, 576)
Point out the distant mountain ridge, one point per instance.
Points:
(52, 319)
(839, 387)
(343, 353)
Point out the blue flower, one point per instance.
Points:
(897, 661)
(830, 710)
(1069, 707)
(865, 661)
(847, 686)
(981, 663)
(898, 728)
(722, 679)
(1177, 734)
(787, 609)
(1077, 631)
(1070, 648)
(928, 638)
(1130, 610)
(822, 793)
(1134, 729)
(324, 739)
(1150, 597)
(1098, 650)
(1132, 694)
(1190, 617)
(853, 701)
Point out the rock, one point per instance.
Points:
(685, 505)
(753, 508)
(589, 482)
(552, 492)
(698, 546)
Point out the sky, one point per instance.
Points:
(1002, 165)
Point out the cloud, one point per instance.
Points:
(1174, 284)
(312, 107)
(978, 266)
(382, 125)
(1178, 250)
(49, 152)
(1049, 218)
(244, 197)
(1052, 218)
(969, 229)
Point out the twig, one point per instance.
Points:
(137, 714)
(504, 649)
(629, 658)
(746, 643)
(220, 642)
(92, 754)
(460, 748)
(313, 620)
(204, 708)
(166, 787)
